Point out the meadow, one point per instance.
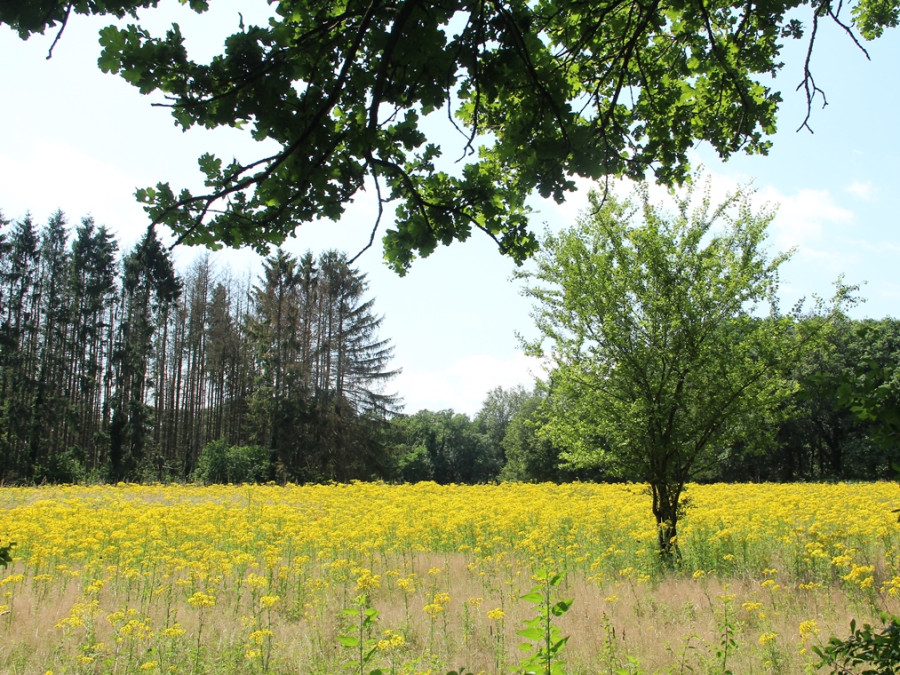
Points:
(426, 578)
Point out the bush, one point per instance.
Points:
(223, 463)
(879, 650)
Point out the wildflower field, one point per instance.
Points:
(426, 578)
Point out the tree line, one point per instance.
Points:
(116, 367)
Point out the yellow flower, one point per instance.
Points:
(256, 581)
(767, 638)
(808, 629)
(173, 631)
(199, 599)
(259, 636)
(367, 581)
(269, 601)
(391, 642)
(496, 614)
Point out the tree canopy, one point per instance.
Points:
(538, 92)
(668, 342)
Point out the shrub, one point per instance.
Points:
(878, 649)
(220, 462)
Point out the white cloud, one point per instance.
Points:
(463, 384)
(865, 191)
(802, 216)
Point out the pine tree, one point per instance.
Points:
(47, 437)
(93, 291)
(19, 338)
(149, 288)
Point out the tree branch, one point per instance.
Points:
(65, 22)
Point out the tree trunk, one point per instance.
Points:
(665, 509)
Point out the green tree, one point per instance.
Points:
(871, 390)
(539, 92)
(664, 356)
(49, 408)
(92, 289)
(529, 457)
(443, 446)
(497, 411)
(225, 360)
(150, 287)
(19, 338)
(321, 367)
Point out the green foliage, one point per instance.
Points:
(541, 93)
(497, 411)
(220, 462)
(444, 446)
(664, 354)
(871, 390)
(545, 640)
(531, 456)
(728, 628)
(60, 467)
(528, 457)
(846, 413)
(868, 650)
(362, 643)
(6, 554)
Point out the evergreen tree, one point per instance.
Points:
(149, 288)
(49, 408)
(19, 338)
(93, 292)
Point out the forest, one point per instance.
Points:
(115, 366)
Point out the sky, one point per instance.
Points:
(79, 140)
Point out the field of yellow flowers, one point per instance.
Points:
(426, 578)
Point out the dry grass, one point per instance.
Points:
(674, 624)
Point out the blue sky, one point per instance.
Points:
(82, 141)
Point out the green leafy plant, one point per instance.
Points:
(728, 627)
(361, 640)
(545, 639)
(868, 650)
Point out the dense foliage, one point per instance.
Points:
(127, 370)
(666, 337)
(536, 93)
